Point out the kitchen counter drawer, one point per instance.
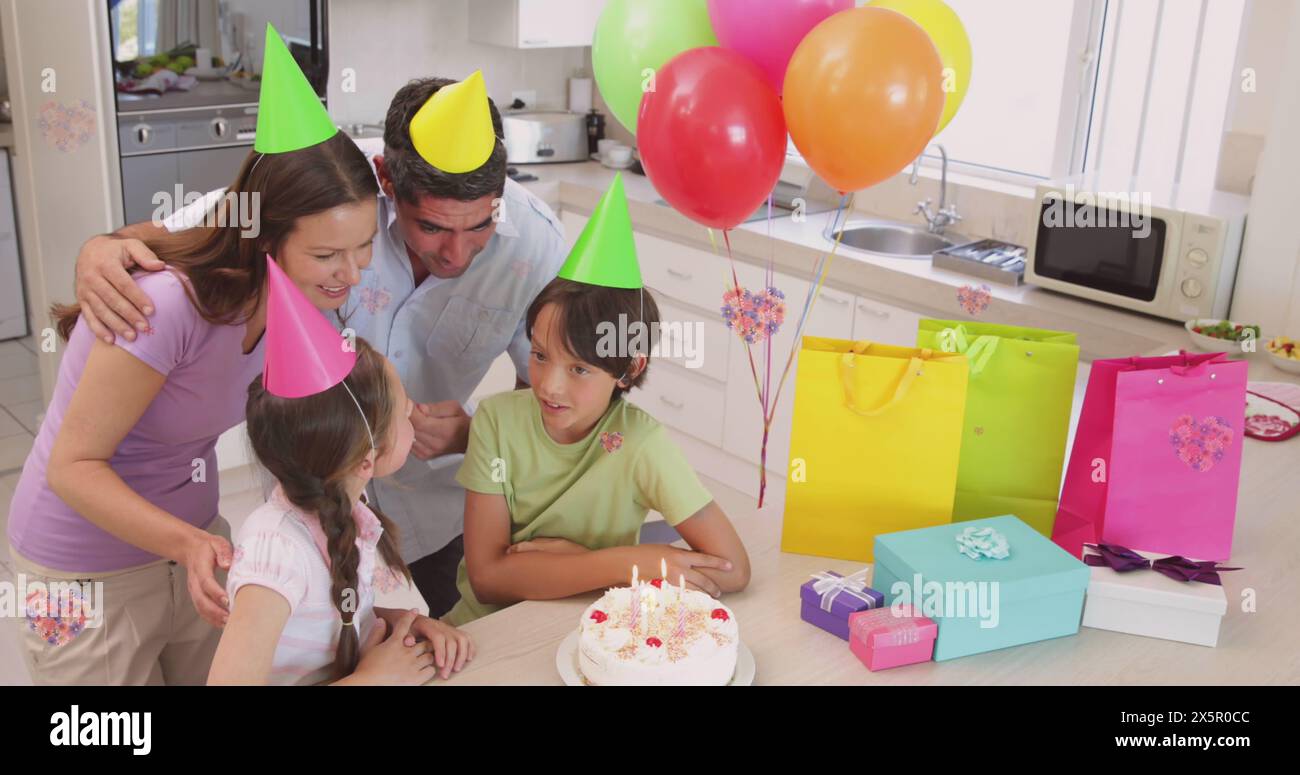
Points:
(681, 400)
(699, 334)
(876, 321)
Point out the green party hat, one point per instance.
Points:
(605, 253)
(289, 112)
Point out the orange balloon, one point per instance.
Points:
(863, 96)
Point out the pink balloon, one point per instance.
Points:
(767, 33)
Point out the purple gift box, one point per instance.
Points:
(828, 599)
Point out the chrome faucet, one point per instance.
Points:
(947, 215)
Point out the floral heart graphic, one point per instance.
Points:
(753, 316)
(974, 299)
(611, 441)
(67, 127)
(1200, 444)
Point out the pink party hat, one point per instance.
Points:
(304, 354)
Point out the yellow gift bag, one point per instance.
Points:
(873, 445)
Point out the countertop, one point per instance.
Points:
(795, 248)
(204, 94)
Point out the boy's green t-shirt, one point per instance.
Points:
(595, 492)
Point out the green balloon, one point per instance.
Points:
(633, 36)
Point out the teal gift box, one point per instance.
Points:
(1034, 593)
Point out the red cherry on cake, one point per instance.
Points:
(657, 583)
(653, 642)
(720, 613)
(598, 616)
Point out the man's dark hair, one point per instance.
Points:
(581, 310)
(412, 176)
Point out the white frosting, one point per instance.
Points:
(612, 653)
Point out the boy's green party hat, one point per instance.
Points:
(289, 112)
(605, 253)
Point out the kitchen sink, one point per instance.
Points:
(895, 240)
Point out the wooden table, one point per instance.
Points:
(518, 645)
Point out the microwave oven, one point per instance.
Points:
(1162, 251)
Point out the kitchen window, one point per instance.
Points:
(135, 28)
(1060, 87)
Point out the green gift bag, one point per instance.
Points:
(1018, 405)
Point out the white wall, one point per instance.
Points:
(389, 42)
(1262, 48)
(1268, 282)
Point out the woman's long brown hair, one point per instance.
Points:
(310, 445)
(227, 270)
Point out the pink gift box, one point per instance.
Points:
(883, 639)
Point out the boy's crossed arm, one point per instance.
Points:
(555, 568)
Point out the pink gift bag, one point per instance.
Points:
(1157, 456)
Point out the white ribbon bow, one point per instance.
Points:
(829, 586)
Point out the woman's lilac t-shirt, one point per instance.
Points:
(168, 457)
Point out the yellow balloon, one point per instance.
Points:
(945, 29)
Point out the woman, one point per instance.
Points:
(120, 488)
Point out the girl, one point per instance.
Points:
(560, 477)
(120, 488)
(307, 563)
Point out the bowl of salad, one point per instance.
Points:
(1211, 335)
(1285, 353)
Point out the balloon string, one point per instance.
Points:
(765, 402)
(816, 289)
(771, 279)
(749, 350)
(753, 370)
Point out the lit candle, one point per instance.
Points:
(652, 600)
(663, 569)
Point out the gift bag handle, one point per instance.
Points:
(1192, 365)
(915, 367)
(955, 340)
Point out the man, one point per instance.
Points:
(458, 258)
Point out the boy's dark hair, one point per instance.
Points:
(412, 176)
(585, 315)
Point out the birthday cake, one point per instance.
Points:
(657, 636)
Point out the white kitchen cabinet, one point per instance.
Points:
(690, 275)
(832, 316)
(534, 23)
(693, 340)
(876, 321)
(683, 400)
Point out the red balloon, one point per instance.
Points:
(712, 136)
